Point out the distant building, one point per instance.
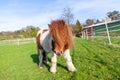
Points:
(89, 30)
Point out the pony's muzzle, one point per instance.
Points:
(59, 53)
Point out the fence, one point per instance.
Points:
(113, 27)
(19, 41)
(109, 29)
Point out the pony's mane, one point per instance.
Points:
(61, 33)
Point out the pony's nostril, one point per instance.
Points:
(61, 52)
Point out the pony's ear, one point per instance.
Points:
(49, 25)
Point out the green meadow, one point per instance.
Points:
(94, 59)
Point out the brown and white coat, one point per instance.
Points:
(48, 41)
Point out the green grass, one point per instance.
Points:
(94, 60)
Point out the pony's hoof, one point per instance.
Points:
(40, 67)
(47, 62)
(72, 69)
(53, 71)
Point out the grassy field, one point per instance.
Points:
(94, 60)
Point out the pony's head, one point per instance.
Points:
(61, 35)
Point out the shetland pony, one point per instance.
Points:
(57, 40)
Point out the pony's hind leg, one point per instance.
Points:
(45, 58)
(40, 58)
(69, 61)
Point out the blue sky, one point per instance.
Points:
(17, 14)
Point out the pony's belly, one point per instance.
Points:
(46, 42)
(46, 46)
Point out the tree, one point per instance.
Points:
(67, 15)
(97, 21)
(31, 31)
(114, 15)
(79, 26)
(89, 22)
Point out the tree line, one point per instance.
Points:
(29, 31)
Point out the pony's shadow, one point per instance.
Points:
(36, 60)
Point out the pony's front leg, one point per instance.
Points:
(54, 63)
(69, 61)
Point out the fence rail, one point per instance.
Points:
(109, 29)
(19, 41)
